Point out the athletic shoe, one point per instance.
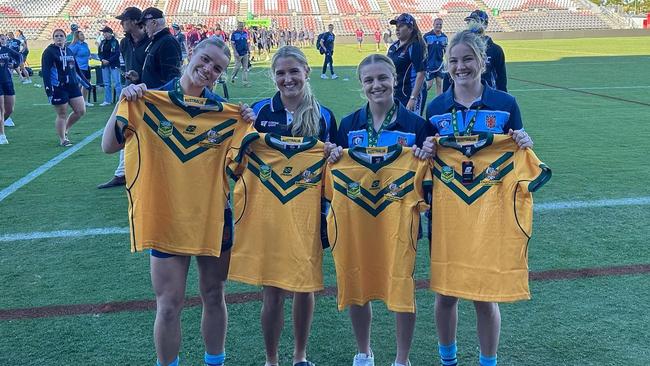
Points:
(66, 143)
(26, 81)
(104, 104)
(362, 359)
(3, 140)
(114, 182)
(304, 363)
(9, 122)
(408, 364)
(88, 104)
(323, 76)
(334, 76)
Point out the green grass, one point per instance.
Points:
(595, 146)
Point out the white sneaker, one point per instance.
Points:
(362, 359)
(104, 104)
(323, 76)
(88, 104)
(3, 140)
(334, 76)
(9, 122)
(26, 81)
(396, 364)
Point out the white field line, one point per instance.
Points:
(585, 88)
(539, 207)
(47, 166)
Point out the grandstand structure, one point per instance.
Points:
(37, 18)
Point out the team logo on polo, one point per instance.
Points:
(490, 121)
(447, 174)
(165, 129)
(265, 172)
(402, 140)
(357, 140)
(443, 123)
(354, 189)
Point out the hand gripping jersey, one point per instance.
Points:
(278, 213)
(482, 213)
(376, 196)
(175, 153)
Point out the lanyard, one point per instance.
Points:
(470, 125)
(373, 136)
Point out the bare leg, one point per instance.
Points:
(213, 272)
(303, 314)
(405, 326)
(488, 326)
(272, 321)
(361, 317)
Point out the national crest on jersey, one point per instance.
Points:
(175, 170)
(482, 217)
(278, 212)
(376, 195)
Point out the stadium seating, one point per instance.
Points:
(30, 8)
(553, 20)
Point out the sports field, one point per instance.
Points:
(72, 293)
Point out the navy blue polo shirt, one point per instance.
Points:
(272, 117)
(328, 41)
(409, 60)
(436, 45)
(497, 112)
(239, 38)
(413, 129)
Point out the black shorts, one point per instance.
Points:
(86, 74)
(430, 75)
(63, 93)
(25, 53)
(7, 88)
(226, 240)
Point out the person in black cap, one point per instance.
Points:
(182, 40)
(132, 47)
(163, 55)
(409, 56)
(109, 55)
(495, 65)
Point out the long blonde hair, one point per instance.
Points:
(306, 119)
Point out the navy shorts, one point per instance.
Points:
(25, 53)
(7, 88)
(430, 75)
(63, 93)
(86, 74)
(226, 240)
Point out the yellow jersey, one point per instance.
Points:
(175, 155)
(277, 202)
(376, 195)
(482, 217)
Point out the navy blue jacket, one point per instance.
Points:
(109, 50)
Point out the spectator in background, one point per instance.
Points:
(182, 40)
(220, 33)
(326, 47)
(81, 52)
(408, 54)
(193, 38)
(25, 49)
(388, 38)
(163, 56)
(61, 78)
(377, 39)
(132, 47)
(73, 29)
(239, 40)
(9, 59)
(436, 43)
(109, 55)
(17, 45)
(359, 34)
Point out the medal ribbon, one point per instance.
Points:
(470, 125)
(373, 136)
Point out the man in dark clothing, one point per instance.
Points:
(132, 47)
(109, 55)
(163, 55)
(495, 64)
(326, 47)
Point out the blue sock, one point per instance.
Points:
(214, 360)
(487, 360)
(448, 354)
(174, 363)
